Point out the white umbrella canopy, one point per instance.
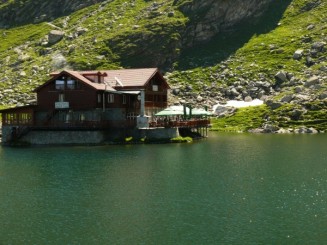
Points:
(179, 110)
(173, 111)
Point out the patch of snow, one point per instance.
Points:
(239, 104)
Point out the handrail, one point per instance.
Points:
(84, 124)
(180, 124)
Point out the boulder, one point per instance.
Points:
(58, 61)
(55, 36)
(281, 76)
(310, 27)
(305, 130)
(312, 131)
(245, 93)
(323, 68)
(306, 39)
(298, 89)
(298, 54)
(270, 128)
(171, 14)
(176, 91)
(283, 131)
(319, 46)
(248, 99)
(312, 81)
(287, 98)
(256, 130)
(323, 96)
(302, 97)
(309, 61)
(81, 30)
(24, 57)
(273, 104)
(234, 92)
(296, 114)
(188, 87)
(266, 85)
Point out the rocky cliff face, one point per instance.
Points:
(210, 17)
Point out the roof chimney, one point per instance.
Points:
(99, 77)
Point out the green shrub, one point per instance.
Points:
(181, 139)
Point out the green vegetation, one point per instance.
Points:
(243, 120)
(19, 35)
(289, 116)
(181, 139)
(128, 139)
(139, 33)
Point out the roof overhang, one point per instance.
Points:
(18, 108)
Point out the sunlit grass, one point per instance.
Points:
(243, 120)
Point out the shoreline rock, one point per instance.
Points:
(276, 130)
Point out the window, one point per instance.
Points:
(82, 117)
(71, 84)
(99, 98)
(111, 98)
(60, 84)
(61, 98)
(155, 88)
(124, 99)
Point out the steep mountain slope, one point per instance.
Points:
(213, 50)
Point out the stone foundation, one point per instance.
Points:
(89, 137)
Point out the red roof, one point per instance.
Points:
(97, 86)
(118, 79)
(126, 77)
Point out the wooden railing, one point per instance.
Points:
(84, 124)
(53, 124)
(193, 123)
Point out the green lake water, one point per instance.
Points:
(227, 189)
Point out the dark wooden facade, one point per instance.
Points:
(85, 98)
(18, 116)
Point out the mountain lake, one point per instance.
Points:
(226, 189)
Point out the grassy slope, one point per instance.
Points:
(256, 57)
(287, 37)
(118, 30)
(115, 20)
(243, 120)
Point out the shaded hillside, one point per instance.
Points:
(15, 13)
(231, 38)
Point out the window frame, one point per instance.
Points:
(60, 84)
(71, 84)
(111, 98)
(99, 99)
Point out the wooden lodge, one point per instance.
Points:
(94, 100)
